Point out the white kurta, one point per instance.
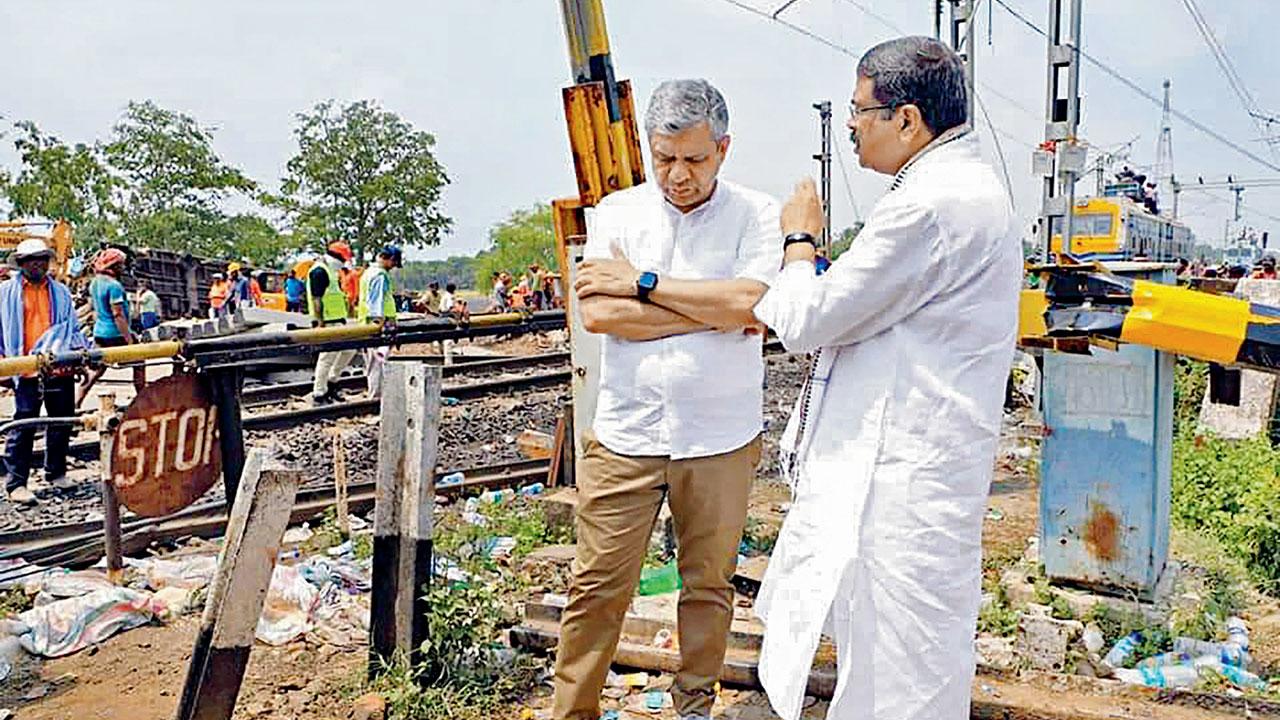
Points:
(882, 545)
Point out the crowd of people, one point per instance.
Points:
(1263, 269)
(537, 289)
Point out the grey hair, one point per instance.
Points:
(677, 105)
(923, 72)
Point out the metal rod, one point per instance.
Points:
(110, 503)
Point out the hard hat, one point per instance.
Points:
(393, 253)
(219, 276)
(108, 259)
(233, 267)
(341, 250)
(32, 249)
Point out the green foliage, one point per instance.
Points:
(365, 175)
(1228, 490)
(759, 536)
(459, 270)
(1116, 624)
(844, 240)
(1190, 379)
(518, 518)
(998, 617)
(57, 181)
(526, 237)
(13, 601)
(168, 162)
(1059, 608)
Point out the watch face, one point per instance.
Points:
(648, 280)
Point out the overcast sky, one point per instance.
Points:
(485, 75)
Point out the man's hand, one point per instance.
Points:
(803, 211)
(615, 277)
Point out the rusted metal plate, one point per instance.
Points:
(166, 452)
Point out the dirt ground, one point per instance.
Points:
(138, 675)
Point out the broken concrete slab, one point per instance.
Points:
(559, 508)
(1044, 641)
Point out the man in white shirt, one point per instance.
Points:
(679, 411)
(891, 446)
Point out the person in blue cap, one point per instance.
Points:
(378, 305)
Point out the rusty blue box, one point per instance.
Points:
(1105, 464)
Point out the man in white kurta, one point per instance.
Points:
(891, 445)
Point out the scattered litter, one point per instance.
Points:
(660, 581)
(630, 680)
(297, 535)
(1123, 648)
(1228, 653)
(663, 639)
(497, 497)
(555, 600)
(344, 548)
(172, 602)
(533, 490)
(609, 715)
(472, 517)
(69, 625)
(1093, 640)
(286, 614)
(192, 571)
(995, 514)
(453, 478)
(498, 548)
(448, 401)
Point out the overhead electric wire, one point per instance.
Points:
(1159, 102)
(1229, 71)
(995, 139)
(847, 51)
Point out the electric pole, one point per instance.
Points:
(1061, 159)
(1165, 179)
(824, 165)
(962, 42)
(937, 20)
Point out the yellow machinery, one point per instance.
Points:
(1116, 228)
(57, 235)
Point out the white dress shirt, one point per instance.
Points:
(701, 393)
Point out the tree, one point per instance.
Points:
(61, 182)
(845, 240)
(526, 237)
(458, 269)
(364, 175)
(172, 181)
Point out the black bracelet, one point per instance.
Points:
(799, 237)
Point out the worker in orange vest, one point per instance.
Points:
(219, 290)
(350, 281)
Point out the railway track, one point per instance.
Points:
(271, 395)
(81, 543)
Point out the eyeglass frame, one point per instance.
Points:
(856, 111)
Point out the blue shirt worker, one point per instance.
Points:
(37, 315)
(378, 305)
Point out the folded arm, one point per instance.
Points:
(630, 319)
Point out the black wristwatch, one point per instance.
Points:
(645, 285)
(798, 237)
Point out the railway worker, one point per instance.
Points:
(327, 304)
(37, 315)
(670, 423)
(445, 305)
(294, 290)
(430, 299)
(378, 305)
(110, 309)
(891, 448)
(219, 291)
(148, 306)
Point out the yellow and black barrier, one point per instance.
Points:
(1083, 303)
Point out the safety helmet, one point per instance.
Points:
(108, 259)
(341, 250)
(233, 267)
(393, 253)
(32, 249)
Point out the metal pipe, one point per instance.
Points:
(362, 335)
(86, 420)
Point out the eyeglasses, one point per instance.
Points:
(855, 111)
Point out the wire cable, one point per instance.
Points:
(1159, 102)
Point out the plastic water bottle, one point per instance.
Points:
(453, 478)
(532, 490)
(1243, 678)
(497, 497)
(1123, 648)
(1238, 632)
(1228, 653)
(1173, 676)
(1168, 659)
(659, 581)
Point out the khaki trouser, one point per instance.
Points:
(618, 501)
(329, 365)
